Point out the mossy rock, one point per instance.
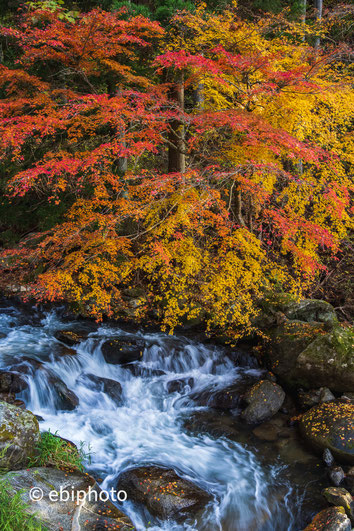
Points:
(332, 519)
(330, 425)
(287, 341)
(329, 361)
(19, 435)
(307, 355)
(284, 304)
(67, 514)
(340, 498)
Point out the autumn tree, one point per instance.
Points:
(260, 187)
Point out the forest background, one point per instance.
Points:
(177, 162)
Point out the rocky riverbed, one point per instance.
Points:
(201, 436)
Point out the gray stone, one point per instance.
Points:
(264, 399)
(112, 388)
(120, 351)
(332, 519)
(19, 434)
(307, 355)
(163, 492)
(330, 425)
(10, 382)
(326, 395)
(340, 498)
(336, 475)
(67, 515)
(327, 457)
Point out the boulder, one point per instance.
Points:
(179, 386)
(336, 475)
(119, 351)
(163, 492)
(10, 398)
(340, 498)
(138, 369)
(112, 388)
(19, 435)
(326, 395)
(282, 306)
(307, 355)
(66, 399)
(329, 360)
(228, 398)
(11, 382)
(327, 457)
(63, 352)
(264, 399)
(330, 425)
(66, 514)
(349, 480)
(308, 399)
(332, 519)
(310, 310)
(71, 337)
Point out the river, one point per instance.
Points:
(255, 485)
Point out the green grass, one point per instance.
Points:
(55, 452)
(13, 511)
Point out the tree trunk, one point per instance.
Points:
(176, 155)
(303, 16)
(319, 8)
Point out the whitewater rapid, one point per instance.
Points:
(149, 427)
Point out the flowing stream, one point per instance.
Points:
(251, 491)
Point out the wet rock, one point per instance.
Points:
(163, 492)
(336, 475)
(308, 399)
(67, 515)
(19, 434)
(64, 351)
(228, 398)
(179, 386)
(349, 480)
(340, 498)
(112, 388)
(310, 310)
(66, 399)
(26, 365)
(137, 369)
(285, 306)
(264, 399)
(348, 397)
(270, 376)
(11, 382)
(213, 422)
(123, 350)
(329, 360)
(327, 457)
(330, 425)
(71, 337)
(307, 355)
(332, 519)
(326, 395)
